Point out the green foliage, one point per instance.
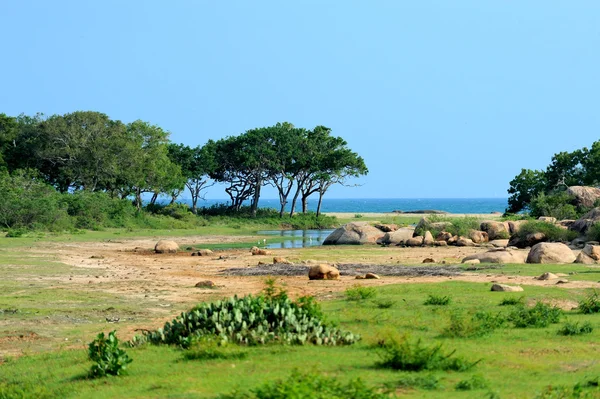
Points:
(210, 350)
(309, 386)
(456, 226)
(438, 300)
(384, 303)
(414, 356)
(552, 232)
(511, 301)
(428, 382)
(359, 293)
(578, 391)
(97, 210)
(251, 321)
(108, 358)
(558, 205)
(358, 215)
(480, 324)
(590, 304)
(475, 382)
(575, 328)
(539, 316)
(15, 233)
(523, 188)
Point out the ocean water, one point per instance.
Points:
(381, 205)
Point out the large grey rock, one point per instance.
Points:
(515, 225)
(528, 241)
(414, 242)
(495, 230)
(582, 224)
(589, 255)
(428, 239)
(498, 255)
(397, 237)
(584, 196)
(550, 252)
(354, 233)
(478, 237)
(166, 246)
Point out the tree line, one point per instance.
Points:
(86, 151)
(537, 191)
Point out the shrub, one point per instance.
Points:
(384, 303)
(513, 301)
(414, 356)
(475, 382)
(15, 233)
(576, 329)
(590, 304)
(551, 231)
(437, 300)
(481, 323)
(558, 205)
(309, 386)
(250, 321)
(428, 382)
(108, 357)
(539, 316)
(458, 226)
(358, 293)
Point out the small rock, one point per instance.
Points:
(258, 251)
(472, 262)
(205, 284)
(370, 276)
(506, 288)
(278, 259)
(359, 277)
(166, 246)
(323, 272)
(547, 276)
(562, 281)
(428, 260)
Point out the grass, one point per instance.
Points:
(438, 300)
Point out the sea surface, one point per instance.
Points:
(382, 205)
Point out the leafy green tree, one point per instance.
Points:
(566, 170)
(523, 188)
(196, 164)
(9, 129)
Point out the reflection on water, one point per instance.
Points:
(297, 238)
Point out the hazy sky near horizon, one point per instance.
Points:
(441, 98)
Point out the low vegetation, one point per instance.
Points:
(108, 358)
(359, 293)
(575, 328)
(539, 316)
(590, 304)
(438, 300)
(551, 231)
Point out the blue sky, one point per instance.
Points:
(441, 98)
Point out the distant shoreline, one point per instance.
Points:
(369, 215)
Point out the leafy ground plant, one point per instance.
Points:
(358, 293)
(539, 316)
(309, 386)
(250, 321)
(409, 355)
(512, 301)
(108, 358)
(438, 300)
(576, 328)
(481, 323)
(475, 382)
(428, 382)
(590, 304)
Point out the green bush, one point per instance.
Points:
(414, 356)
(475, 382)
(309, 386)
(15, 233)
(108, 358)
(559, 205)
(458, 226)
(576, 328)
(250, 321)
(384, 303)
(552, 232)
(481, 323)
(539, 316)
(512, 301)
(438, 300)
(428, 382)
(590, 304)
(97, 210)
(359, 293)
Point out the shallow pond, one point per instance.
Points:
(295, 238)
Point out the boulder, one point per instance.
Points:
(452, 240)
(354, 233)
(428, 260)
(495, 229)
(584, 196)
(498, 255)
(323, 272)
(443, 236)
(386, 228)
(259, 251)
(428, 239)
(547, 276)
(464, 242)
(397, 237)
(566, 223)
(515, 225)
(425, 224)
(582, 224)
(371, 276)
(472, 262)
(547, 219)
(499, 243)
(506, 288)
(279, 259)
(202, 252)
(440, 243)
(528, 241)
(589, 255)
(550, 252)
(414, 242)
(478, 237)
(166, 246)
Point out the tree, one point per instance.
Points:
(196, 164)
(524, 187)
(8, 135)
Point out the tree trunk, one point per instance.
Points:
(153, 199)
(138, 199)
(304, 203)
(254, 205)
(319, 204)
(294, 201)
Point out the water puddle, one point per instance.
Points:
(295, 238)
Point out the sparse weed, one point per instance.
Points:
(428, 382)
(437, 300)
(384, 303)
(481, 323)
(358, 293)
(576, 329)
(475, 382)
(590, 304)
(513, 301)
(539, 316)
